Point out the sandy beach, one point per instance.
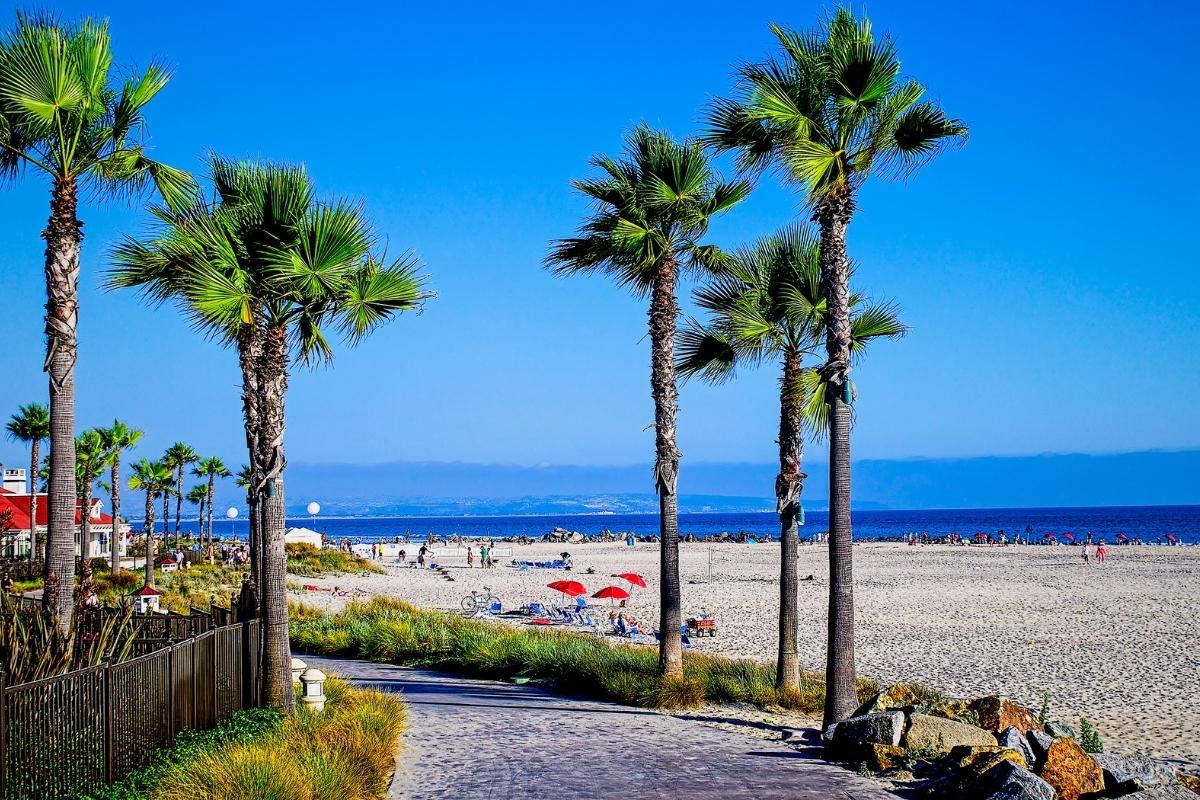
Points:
(1116, 643)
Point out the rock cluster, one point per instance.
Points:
(991, 749)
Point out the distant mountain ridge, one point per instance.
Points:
(453, 488)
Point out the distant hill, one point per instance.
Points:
(438, 488)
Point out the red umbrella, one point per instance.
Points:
(611, 593)
(633, 579)
(1070, 537)
(1122, 537)
(568, 588)
(1049, 536)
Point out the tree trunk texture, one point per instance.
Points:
(115, 497)
(272, 388)
(178, 502)
(663, 313)
(85, 522)
(34, 457)
(833, 216)
(149, 537)
(789, 485)
(249, 345)
(63, 235)
(212, 479)
(166, 517)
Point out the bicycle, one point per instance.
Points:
(480, 601)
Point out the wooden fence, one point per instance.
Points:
(64, 735)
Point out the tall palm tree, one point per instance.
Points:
(198, 496)
(118, 438)
(153, 478)
(31, 424)
(91, 458)
(212, 468)
(828, 112)
(66, 113)
(177, 458)
(767, 304)
(653, 206)
(271, 271)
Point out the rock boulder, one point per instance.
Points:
(883, 728)
(1014, 739)
(998, 713)
(1071, 771)
(899, 695)
(941, 734)
(1009, 781)
(1057, 729)
(1134, 772)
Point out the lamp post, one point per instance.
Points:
(231, 514)
(314, 508)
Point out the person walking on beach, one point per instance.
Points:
(421, 556)
(1101, 552)
(471, 557)
(483, 555)
(1087, 552)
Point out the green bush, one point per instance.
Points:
(388, 630)
(1089, 737)
(311, 562)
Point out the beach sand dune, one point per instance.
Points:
(1115, 643)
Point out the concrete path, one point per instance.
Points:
(474, 740)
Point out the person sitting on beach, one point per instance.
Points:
(401, 557)
(339, 593)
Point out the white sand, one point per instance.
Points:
(1117, 643)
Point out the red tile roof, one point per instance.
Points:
(18, 504)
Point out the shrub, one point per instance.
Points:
(308, 561)
(1044, 713)
(390, 630)
(346, 751)
(1089, 737)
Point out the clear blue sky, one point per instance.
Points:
(1045, 269)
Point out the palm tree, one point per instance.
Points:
(270, 270)
(64, 114)
(177, 458)
(31, 424)
(117, 438)
(830, 111)
(653, 205)
(198, 496)
(768, 305)
(212, 468)
(153, 478)
(91, 457)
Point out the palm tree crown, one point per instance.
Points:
(653, 205)
(30, 424)
(832, 110)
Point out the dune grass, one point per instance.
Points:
(311, 562)
(389, 630)
(344, 753)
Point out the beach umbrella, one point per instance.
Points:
(611, 593)
(633, 579)
(1049, 536)
(1122, 537)
(568, 588)
(1070, 537)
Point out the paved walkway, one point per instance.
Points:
(474, 740)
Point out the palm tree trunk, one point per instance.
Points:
(833, 216)
(115, 499)
(85, 522)
(178, 503)
(63, 235)
(34, 454)
(212, 479)
(788, 487)
(149, 537)
(249, 345)
(166, 493)
(272, 388)
(663, 313)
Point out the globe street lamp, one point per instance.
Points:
(231, 514)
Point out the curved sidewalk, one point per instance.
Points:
(473, 739)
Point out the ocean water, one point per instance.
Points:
(1149, 523)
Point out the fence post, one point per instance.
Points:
(3, 733)
(171, 710)
(212, 637)
(109, 729)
